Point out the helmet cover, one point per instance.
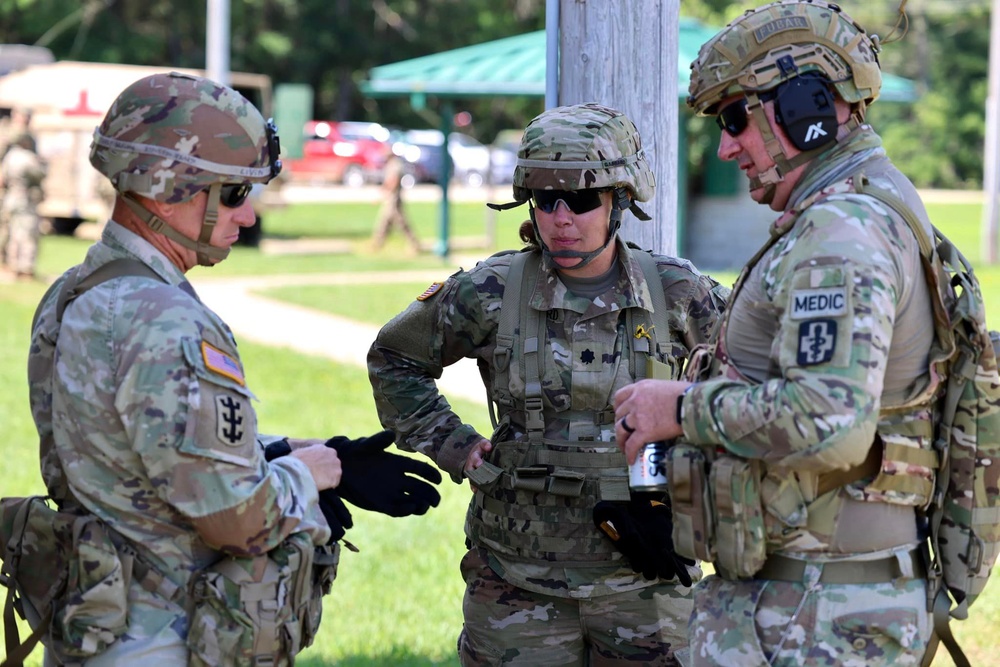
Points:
(169, 136)
(582, 146)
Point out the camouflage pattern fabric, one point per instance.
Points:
(151, 419)
(602, 144)
(749, 623)
(161, 157)
(22, 173)
(815, 36)
(826, 344)
(585, 360)
(506, 625)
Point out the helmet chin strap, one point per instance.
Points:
(783, 165)
(203, 250)
(620, 201)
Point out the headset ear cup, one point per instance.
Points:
(804, 107)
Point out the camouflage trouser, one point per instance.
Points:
(509, 625)
(24, 230)
(391, 214)
(742, 623)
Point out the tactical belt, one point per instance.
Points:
(880, 571)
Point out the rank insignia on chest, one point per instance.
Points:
(817, 341)
(430, 291)
(219, 362)
(230, 419)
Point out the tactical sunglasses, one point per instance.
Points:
(578, 201)
(733, 118)
(234, 194)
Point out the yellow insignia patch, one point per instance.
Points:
(642, 332)
(219, 362)
(430, 291)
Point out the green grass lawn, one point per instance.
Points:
(398, 601)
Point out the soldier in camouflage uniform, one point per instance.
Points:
(819, 392)
(140, 397)
(544, 586)
(22, 173)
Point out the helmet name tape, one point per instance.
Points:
(581, 164)
(780, 25)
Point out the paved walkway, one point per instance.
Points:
(271, 322)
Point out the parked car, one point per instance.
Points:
(472, 162)
(345, 152)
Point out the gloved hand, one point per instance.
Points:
(641, 529)
(336, 514)
(334, 510)
(377, 480)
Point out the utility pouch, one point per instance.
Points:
(261, 610)
(95, 607)
(734, 484)
(690, 502)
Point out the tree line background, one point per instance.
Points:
(331, 44)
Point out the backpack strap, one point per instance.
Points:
(503, 351)
(963, 370)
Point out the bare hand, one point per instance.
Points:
(646, 411)
(323, 464)
(478, 454)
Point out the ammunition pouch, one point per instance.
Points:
(717, 511)
(261, 610)
(64, 577)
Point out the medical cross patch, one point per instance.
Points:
(230, 419)
(817, 341)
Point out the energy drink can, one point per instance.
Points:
(649, 472)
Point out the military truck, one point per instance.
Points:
(66, 100)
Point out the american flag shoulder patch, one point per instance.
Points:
(219, 362)
(430, 291)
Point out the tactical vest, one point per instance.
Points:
(535, 496)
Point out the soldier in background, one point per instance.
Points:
(12, 127)
(218, 549)
(392, 213)
(818, 407)
(22, 173)
(555, 330)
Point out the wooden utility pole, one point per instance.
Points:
(991, 157)
(217, 41)
(624, 55)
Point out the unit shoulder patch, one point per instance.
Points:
(219, 362)
(817, 342)
(430, 291)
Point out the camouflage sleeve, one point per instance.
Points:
(832, 282)
(411, 352)
(187, 410)
(696, 302)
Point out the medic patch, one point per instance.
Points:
(819, 302)
(430, 291)
(230, 417)
(219, 362)
(817, 341)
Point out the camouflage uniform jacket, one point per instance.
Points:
(153, 424)
(22, 173)
(584, 360)
(825, 345)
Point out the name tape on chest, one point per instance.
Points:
(819, 302)
(219, 362)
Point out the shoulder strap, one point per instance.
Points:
(510, 310)
(661, 328)
(116, 268)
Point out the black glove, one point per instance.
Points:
(334, 510)
(336, 514)
(377, 480)
(641, 529)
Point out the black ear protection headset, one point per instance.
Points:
(804, 108)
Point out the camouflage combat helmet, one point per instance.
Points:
(777, 42)
(582, 146)
(169, 136)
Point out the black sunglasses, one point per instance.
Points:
(733, 118)
(578, 201)
(234, 194)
